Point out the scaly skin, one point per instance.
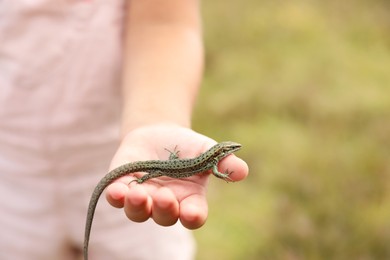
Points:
(174, 168)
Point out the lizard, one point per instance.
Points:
(174, 168)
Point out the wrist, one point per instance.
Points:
(131, 124)
(162, 106)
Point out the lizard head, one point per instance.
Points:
(229, 147)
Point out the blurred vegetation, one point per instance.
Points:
(305, 87)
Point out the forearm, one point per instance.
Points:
(163, 62)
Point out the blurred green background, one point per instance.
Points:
(305, 87)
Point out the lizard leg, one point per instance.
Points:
(148, 176)
(224, 176)
(173, 155)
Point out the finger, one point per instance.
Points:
(115, 194)
(165, 209)
(138, 204)
(239, 168)
(193, 211)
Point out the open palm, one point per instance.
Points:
(165, 199)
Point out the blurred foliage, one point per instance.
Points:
(305, 87)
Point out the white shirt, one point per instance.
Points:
(59, 70)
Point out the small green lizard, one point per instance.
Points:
(174, 168)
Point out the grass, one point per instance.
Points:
(305, 87)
